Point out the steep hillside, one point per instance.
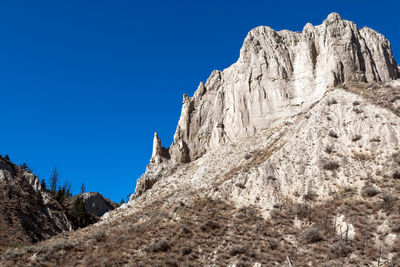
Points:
(290, 157)
(30, 213)
(26, 214)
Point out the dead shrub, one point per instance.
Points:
(273, 243)
(360, 156)
(396, 158)
(185, 229)
(375, 139)
(310, 196)
(237, 250)
(162, 245)
(333, 134)
(356, 138)
(209, 225)
(332, 101)
(312, 235)
(99, 235)
(136, 228)
(388, 200)
(171, 263)
(329, 149)
(247, 156)
(260, 228)
(396, 228)
(340, 248)
(57, 245)
(331, 165)
(302, 210)
(12, 254)
(186, 250)
(369, 191)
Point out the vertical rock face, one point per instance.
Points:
(278, 74)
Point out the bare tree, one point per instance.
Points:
(67, 188)
(83, 188)
(43, 182)
(54, 179)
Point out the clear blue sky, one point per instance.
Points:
(85, 84)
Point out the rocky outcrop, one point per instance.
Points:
(33, 180)
(26, 213)
(95, 203)
(30, 213)
(278, 74)
(296, 143)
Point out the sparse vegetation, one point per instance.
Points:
(369, 191)
(312, 235)
(332, 101)
(375, 139)
(247, 156)
(44, 185)
(302, 210)
(82, 215)
(63, 192)
(54, 180)
(329, 149)
(388, 201)
(39, 196)
(377, 94)
(204, 231)
(160, 246)
(310, 195)
(236, 250)
(333, 134)
(356, 138)
(396, 158)
(341, 248)
(396, 228)
(186, 250)
(209, 225)
(330, 165)
(242, 234)
(25, 167)
(99, 236)
(83, 188)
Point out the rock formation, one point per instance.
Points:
(278, 74)
(26, 214)
(289, 157)
(96, 204)
(30, 213)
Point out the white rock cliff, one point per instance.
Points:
(278, 74)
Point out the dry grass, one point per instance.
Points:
(377, 94)
(209, 231)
